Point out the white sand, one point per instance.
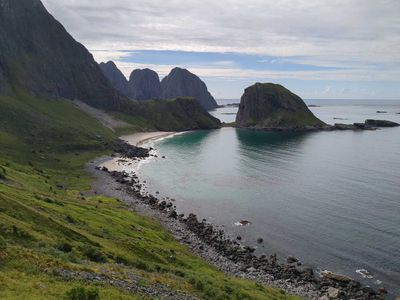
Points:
(132, 165)
(140, 138)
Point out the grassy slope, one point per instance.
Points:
(179, 114)
(46, 143)
(288, 119)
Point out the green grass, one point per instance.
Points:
(168, 115)
(287, 119)
(46, 225)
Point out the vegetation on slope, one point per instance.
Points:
(180, 114)
(59, 240)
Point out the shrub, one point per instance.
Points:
(80, 293)
(95, 255)
(3, 244)
(2, 173)
(65, 247)
(199, 285)
(70, 219)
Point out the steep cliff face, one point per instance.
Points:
(41, 57)
(182, 83)
(144, 85)
(115, 76)
(4, 86)
(273, 107)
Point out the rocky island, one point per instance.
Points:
(269, 106)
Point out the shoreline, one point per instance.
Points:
(212, 244)
(139, 138)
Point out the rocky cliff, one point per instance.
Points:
(272, 107)
(3, 81)
(144, 85)
(115, 76)
(182, 83)
(41, 57)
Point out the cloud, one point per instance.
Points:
(327, 90)
(345, 41)
(348, 30)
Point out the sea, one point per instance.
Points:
(331, 199)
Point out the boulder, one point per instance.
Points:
(333, 293)
(336, 277)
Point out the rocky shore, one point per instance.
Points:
(215, 246)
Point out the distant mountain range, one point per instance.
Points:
(145, 85)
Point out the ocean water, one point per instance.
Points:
(332, 199)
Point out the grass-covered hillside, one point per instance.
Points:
(58, 240)
(179, 114)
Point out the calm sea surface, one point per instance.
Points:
(330, 198)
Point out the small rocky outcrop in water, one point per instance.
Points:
(182, 83)
(367, 125)
(381, 123)
(144, 85)
(272, 107)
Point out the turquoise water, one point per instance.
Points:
(330, 198)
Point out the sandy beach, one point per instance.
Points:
(140, 138)
(120, 164)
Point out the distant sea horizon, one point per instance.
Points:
(310, 99)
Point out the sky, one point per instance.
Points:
(319, 49)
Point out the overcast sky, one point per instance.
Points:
(317, 48)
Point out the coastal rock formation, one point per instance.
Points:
(182, 83)
(3, 81)
(367, 125)
(115, 76)
(381, 123)
(144, 85)
(42, 58)
(272, 107)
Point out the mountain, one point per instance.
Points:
(3, 81)
(144, 85)
(272, 107)
(181, 82)
(115, 76)
(40, 56)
